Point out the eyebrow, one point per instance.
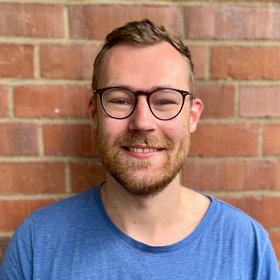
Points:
(149, 90)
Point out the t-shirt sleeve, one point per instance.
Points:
(17, 261)
(269, 268)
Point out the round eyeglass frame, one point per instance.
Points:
(101, 91)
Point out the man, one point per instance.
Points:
(141, 223)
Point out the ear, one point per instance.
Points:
(92, 111)
(196, 110)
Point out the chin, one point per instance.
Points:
(145, 185)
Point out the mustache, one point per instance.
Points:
(146, 139)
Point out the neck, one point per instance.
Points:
(161, 219)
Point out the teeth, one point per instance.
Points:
(142, 151)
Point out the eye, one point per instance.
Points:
(120, 101)
(118, 97)
(161, 102)
(165, 100)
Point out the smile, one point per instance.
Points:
(142, 150)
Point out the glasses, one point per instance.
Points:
(120, 103)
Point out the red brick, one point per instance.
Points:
(199, 58)
(245, 63)
(51, 101)
(86, 174)
(31, 20)
(18, 139)
(201, 175)
(251, 175)
(4, 101)
(3, 245)
(232, 175)
(32, 177)
(265, 209)
(16, 61)
(259, 101)
(218, 100)
(72, 140)
(67, 61)
(275, 238)
(231, 22)
(13, 212)
(225, 140)
(89, 21)
(271, 139)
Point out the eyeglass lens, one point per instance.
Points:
(120, 102)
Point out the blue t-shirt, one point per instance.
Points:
(75, 239)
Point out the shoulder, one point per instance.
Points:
(231, 214)
(63, 213)
(250, 239)
(234, 221)
(48, 229)
(59, 221)
(72, 201)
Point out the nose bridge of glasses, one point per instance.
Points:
(142, 95)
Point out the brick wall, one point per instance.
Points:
(47, 151)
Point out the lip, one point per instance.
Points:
(142, 151)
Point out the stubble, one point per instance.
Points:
(124, 168)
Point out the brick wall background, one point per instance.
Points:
(47, 151)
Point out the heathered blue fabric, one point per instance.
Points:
(75, 239)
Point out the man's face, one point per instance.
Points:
(143, 153)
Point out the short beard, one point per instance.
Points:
(122, 169)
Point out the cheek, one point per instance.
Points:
(178, 130)
(110, 128)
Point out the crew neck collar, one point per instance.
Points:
(155, 249)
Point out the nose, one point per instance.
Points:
(142, 119)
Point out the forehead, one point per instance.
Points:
(144, 67)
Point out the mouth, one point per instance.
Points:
(142, 149)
